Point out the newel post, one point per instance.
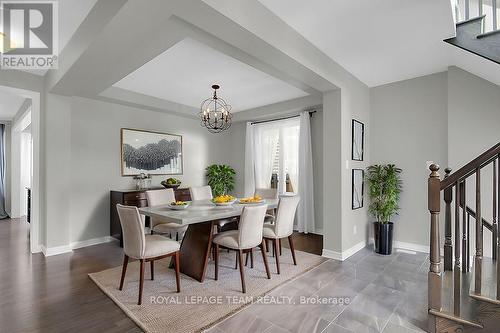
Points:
(434, 275)
(448, 248)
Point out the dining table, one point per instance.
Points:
(200, 217)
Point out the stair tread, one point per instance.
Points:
(466, 38)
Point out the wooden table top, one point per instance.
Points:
(200, 211)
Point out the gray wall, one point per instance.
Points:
(83, 157)
(473, 127)
(449, 118)
(408, 128)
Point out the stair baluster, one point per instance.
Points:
(494, 224)
(478, 258)
(463, 201)
(494, 10)
(497, 210)
(434, 276)
(456, 269)
(448, 247)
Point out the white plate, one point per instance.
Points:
(229, 203)
(252, 203)
(175, 207)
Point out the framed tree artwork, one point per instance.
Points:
(358, 187)
(151, 153)
(358, 140)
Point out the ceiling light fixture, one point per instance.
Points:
(215, 113)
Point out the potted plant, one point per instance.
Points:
(220, 178)
(384, 189)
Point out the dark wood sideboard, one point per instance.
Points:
(135, 198)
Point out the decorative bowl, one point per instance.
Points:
(179, 207)
(228, 203)
(174, 186)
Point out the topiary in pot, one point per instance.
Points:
(384, 189)
(220, 178)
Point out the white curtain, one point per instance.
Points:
(305, 211)
(266, 138)
(249, 161)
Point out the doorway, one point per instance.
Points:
(24, 163)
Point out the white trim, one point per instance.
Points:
(91, 242)
(411, 246)
(52, 251)
(408, 246)
(344, 254)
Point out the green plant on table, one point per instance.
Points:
(220, 178)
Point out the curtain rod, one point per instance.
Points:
(277, 119)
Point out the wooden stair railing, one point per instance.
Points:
(453, 186)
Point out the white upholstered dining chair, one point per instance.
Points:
(145, 248)
(247, 237)
(201, 193)
(283, 226)
(159, 198)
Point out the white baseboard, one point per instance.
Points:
(90, 242)
(55, 250)
(411, 246)
(408, 246)
(344, 254)
(52, 251)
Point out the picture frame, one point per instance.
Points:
(149, 152)
(358, 140)
(358, 188)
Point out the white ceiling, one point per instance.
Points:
(378, 41)
(185, 73)
(9, 105)
(71, 15)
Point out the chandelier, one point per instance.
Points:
(215, 113)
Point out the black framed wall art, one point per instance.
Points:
(358, 187)
(358, 140)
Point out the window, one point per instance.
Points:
(276, 155)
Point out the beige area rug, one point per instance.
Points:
(199, 305)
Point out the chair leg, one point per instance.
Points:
(152, 269)
(267, 245)
(177, 236)
(141, 281)
(279, 241)
(177, 272)
(292, 249)
(251, 258)
(236, 264)
(246, 259)
(276, 251)
(124, 270)
(216, 258)
(242, 272)
(264, 257)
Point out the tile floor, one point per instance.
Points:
(379, 293)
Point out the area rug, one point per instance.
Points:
(199, 305)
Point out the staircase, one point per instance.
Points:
(464, 294)
(478, 28)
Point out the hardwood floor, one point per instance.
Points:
(54, 294)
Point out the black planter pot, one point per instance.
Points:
(383, 237)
